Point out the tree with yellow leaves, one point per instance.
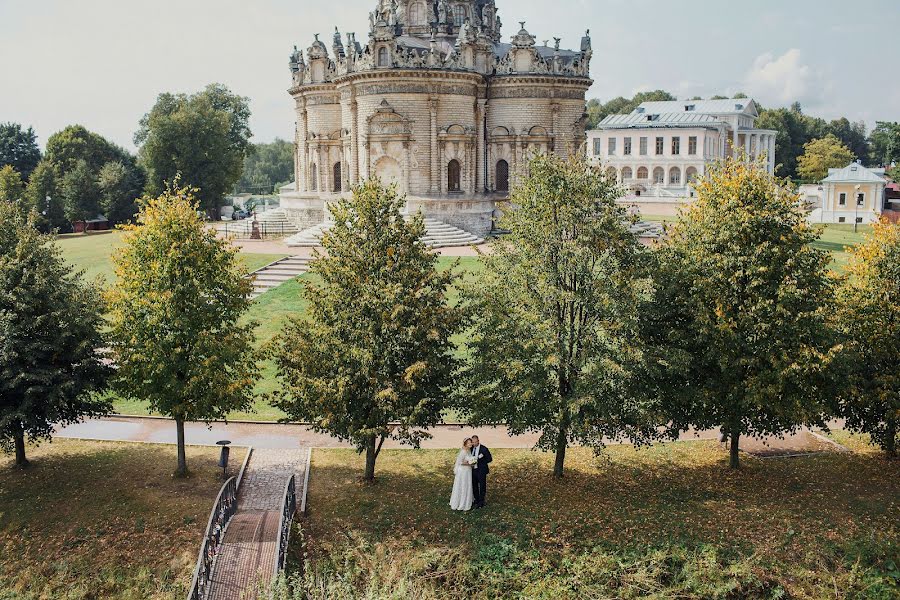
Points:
(868, 318)
(175, 316)
(745, 296)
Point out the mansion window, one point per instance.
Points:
(842, 219)
(459, 15)
(659, 175)
(627, 173)
(611, 147)
(643, 146)
(692, 145)
(675, 176)
(598, 146)
(626, 146)
(860, 199)
(642, 173)
(676, 146)
(659, 146)
(842, 199)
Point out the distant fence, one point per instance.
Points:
(259, 230)
(223, 510)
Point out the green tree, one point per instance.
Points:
(884, 143)
(75, 143)
(373, 358)
(18, 148)
(749, 296)
(267, 166)
(44, 197)
(120, 187)
(553, 315)
(11, 187)
(852, 135)
(203, 137)
(80, 193)
(868, 317)
(823, 154)
(50, 371)
(176, 316)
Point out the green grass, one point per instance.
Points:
(94, 520)
(669, 521)
(837, 238)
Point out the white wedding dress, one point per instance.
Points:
(463, 495)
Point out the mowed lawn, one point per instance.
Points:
(671, 521)
(94, 520)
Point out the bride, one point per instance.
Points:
(463, 496)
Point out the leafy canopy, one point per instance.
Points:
(868, 318)
(50, 321)
(19, 149)
(823, 154)
(373, 358)
(553, 345)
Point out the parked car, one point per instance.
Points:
(239, 214)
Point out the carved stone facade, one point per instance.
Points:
(435, 103)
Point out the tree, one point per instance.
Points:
(176, 316)
(267, 166)
(11, 187)
(852, 135)
(884, 143)
(75, 143)
(203, 137)
(823, 154)
(553, 318)
(44, 197)
(373, 358)
(868, 318)
(119, 187)
(19, 149)
(50, 370)
(750, 295)
(80, 193)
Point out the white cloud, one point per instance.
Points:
(783, 79)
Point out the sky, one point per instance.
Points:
(101, 63)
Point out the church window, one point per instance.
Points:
(502, 176)
(643, 146)
(417, 14)
(459, 15)
(659, 146)
(313, 177)
(692, 144)
(626, 146)
(611, 148)
(676, 146)
(338, 180)
(453, 176)
(383, 57)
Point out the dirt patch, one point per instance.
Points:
(795, 444)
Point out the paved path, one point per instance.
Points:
(248, 554)
(289, 436)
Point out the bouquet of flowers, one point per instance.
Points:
(471, 460)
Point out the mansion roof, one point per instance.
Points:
(462, 35)
(681, 113)
(855, 173)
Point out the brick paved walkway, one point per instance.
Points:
(247, 556)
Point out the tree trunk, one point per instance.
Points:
(561, 444)
(890, 438)
(734, 458)
(182, 470)
(371, 455)
(19, 436)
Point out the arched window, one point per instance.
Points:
(502, 176)
(417, 14)
(659, 175)
(626, 173)
(675, 176)
(313, 177)
(690, 175)
(642, 173)
(383, 60)
(338, 180)
(453, 176)
(459, 15)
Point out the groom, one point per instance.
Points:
(480, 471)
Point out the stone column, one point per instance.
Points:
(558, 142)
(771, 153)
(747, 146)
(481, 163)
(734, 142)
(320, 170)
(435, 165)
(302, 147)
(354, 140)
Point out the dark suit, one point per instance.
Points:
(480, 473)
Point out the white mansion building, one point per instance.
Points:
(435, 102)
(660, 147)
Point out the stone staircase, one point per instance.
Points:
(272, 223)
(277, 273)
(437, 235)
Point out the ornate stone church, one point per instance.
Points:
(436, 102)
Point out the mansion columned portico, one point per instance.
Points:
(659, 148)
(436, 103)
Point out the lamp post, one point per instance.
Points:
(855, 207)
